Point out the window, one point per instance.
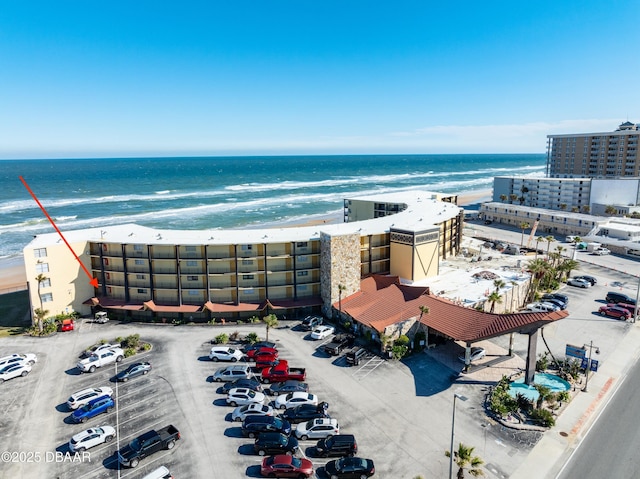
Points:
(248, 291)
(301, 244)
(194, 292)
(247, 276)
(137, 247)
(303, 259)
(192, 263)
(139, 262)
(42, 267)
(192, 278)
(142, 291)
(303, 273)
(190, 249)
(40, 252)
(246, 247)
(46, 297)
(140, 276)
(247, 262)
(46, 283)
(302, 287)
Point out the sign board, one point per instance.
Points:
(579, 352)
(594, 365)
(583, 364)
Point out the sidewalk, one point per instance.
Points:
(555, 448)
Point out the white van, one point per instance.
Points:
(160, 473)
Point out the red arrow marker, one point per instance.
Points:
(92, 281)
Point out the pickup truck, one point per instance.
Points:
(99, 359)
(339, 342)
(282, 372)
(147, 444)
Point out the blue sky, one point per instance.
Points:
(147, 78)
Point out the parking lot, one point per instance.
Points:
(400, 412)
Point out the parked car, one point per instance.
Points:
(284, 401)
(580, 283)
(160, 473)
(304, 413)
(284, 465)
(340, 445)
(136, 369)
(339, 343)
(31, 359)
(629, 307)
(601, 252)
(66, 325)
(240, 413)
(103, 404)
(248, 383)
(318, 429)
(590, 279)
(555, 301)
(14, 370)
(614, 311)
(242, 396)
(538, 308)
(356, 355)
(231, 373)
(91, 437)
(476, 354)
(286, 387)
(258, 345)
(97, 348)
(254, 354)
(350, 467)
(81, 398)
(101, 317)
(267, 360)
(148, 444)
(614, 297)
(275, 443)
(311, 322)
(225, 353)
(252, 426)
(322, 332)
(559, 296)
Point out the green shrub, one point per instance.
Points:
(542, 363)
(523, 402)
(543, 416)
(129, 352)
(399, 351)
(221, 339)
(131, 341)
(403, 340)
(563, 396)
(118, 340)
(252, 338)
(146, 346)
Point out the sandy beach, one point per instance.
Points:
(13, 276)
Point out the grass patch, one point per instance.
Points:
(6, 332)
(14, 308)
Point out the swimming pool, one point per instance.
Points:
(553, 382)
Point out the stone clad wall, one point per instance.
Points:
(339, 265)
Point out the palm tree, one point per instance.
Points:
(610, 210)
(563, 206)
(498, 284)
(41, 278)
(465, 459)
(538, 240)
(341, 288)
(523, 226)
(550, 239)
(513, 197)
(566, 267)
(271, 321)
(423, 310)
(40, 315)
(494, 298)
(503, 198)
(586, 209)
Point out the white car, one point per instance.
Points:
(14, 370)
(225, 353)
(476, 354)
(541, 307)
(241, 412)
(322, 332)
(242, 396)
(80, 398)
(285, 401)
(580, 283)
(601, 251)
(91, 437)
(31, 359)
(318, 429)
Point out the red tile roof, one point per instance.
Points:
(379, 307)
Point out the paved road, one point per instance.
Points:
(611, 447)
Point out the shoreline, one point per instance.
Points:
(13, 276)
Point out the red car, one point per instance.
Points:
(267, 360)
(66, 325)
(614, 311)
(256, 353)
(629, 307)
(284, 465)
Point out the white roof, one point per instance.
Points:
(423, 212)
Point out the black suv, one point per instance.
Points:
(252, 426)
(304, 412)
(613, 297)
(355, 355)
(275, 443)
(340, 445)
(310, 322)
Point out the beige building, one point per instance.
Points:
(595, 155)
(150, 274)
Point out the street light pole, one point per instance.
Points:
(586, 372)
(453, 424)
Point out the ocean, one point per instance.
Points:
(224, 192)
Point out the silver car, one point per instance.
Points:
(231, 373)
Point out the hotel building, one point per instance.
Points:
(595, 155)
(153, 275)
